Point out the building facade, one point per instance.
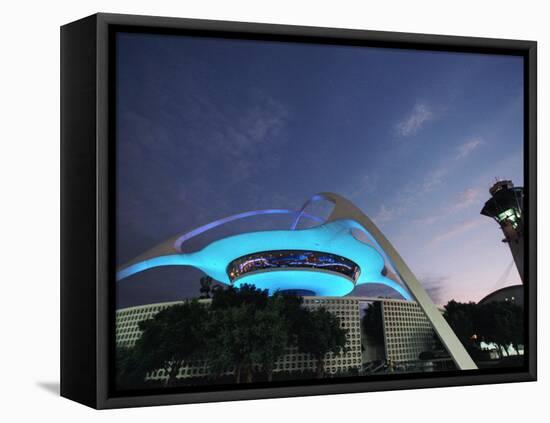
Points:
(407, 333)
(348, 312)
(513, 294)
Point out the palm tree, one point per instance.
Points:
(206, 286)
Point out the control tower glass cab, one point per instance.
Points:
(506, 207)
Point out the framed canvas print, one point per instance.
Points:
(255, 211)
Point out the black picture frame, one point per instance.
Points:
(87, 198)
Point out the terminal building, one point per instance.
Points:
(511, 294)
(405, 333)
(330, 259)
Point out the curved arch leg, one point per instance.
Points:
(345, 209)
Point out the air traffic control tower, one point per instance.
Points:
(506, 207)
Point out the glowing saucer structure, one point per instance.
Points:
(327, 260)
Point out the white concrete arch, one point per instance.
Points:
(345, 209)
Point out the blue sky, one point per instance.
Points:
(212, 127)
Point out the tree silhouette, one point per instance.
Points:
(373, 327)
(500, 322)
(497, 322)
(249, 330)
(174, 336)
(461, 318)
(206, 286)
(320, 333)
(243, 330)
(373, 323)
(129, 370)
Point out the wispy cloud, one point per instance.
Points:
(434, 178)
(431, 181)
(243, 138)
(363, 185)
(415, 120)
(456, 230)
(385, 213)
(434, 286)
(466, 148)
(263, 121)
(244, 142)
(428, 220)
(466, 198)
(461, 201)
(410, 195)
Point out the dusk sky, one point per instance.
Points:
(208, 127)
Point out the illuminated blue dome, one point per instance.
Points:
(327, 260)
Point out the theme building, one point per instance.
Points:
(327, 260)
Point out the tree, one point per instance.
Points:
(373, 327)
(517, 326)
(252, 330)
(248, 331)
(320, 333)
(230, 342)
(461, 318)
(172, 337)
(242, 330)
(373, 323)
(501, 323)
(128, 368)
(293, 313)
(497, 322)
(273, 332)
(236, 297)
